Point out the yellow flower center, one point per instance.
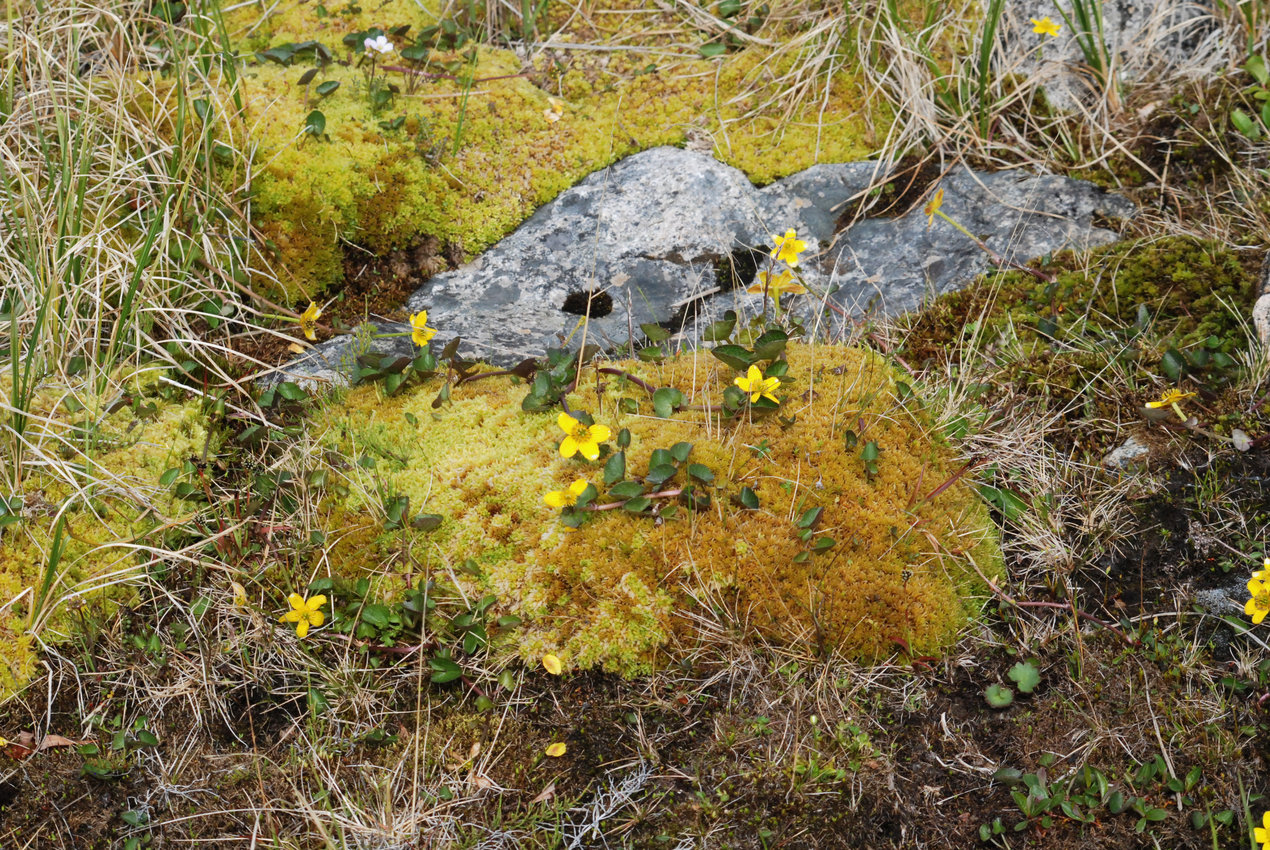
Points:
(1262, 599)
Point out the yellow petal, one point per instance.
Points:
(296, 600)
(567, 423)
(302, 629)
(239, 594)
(552, 664)
(317, 602)
(292, 617)
(599, 433)
(557, 749)
(568, 446)
(577, 487)
(590, 450)
(556, 499)
(317, 618)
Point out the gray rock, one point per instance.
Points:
(1261, 308)
(673, 237)
(891, 265)
(1127, 455)
(1141, 37)
(642, 241)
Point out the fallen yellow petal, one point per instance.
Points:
(557, 749)
(554, 667)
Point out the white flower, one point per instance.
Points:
(380, 44)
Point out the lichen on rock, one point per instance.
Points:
(621, 591)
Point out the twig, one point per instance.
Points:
(1084, 615)
(612, 506)
(644, 385)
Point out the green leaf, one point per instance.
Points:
(710, 51)
(1007, 502)
(394, 382)
(315, 123)
(770, 345)
(701, 472)
(444, 670)
(810, 517)
(1025, 675)
(1245, 124)
(665, 400)
(146, 738)
(637, 505)
(291, 392)
(661, 473)
(748, 499)
(655, 332)
(1173, 364)
(659, 457)
(870, 451)
(615, 468)
(624, 438)
(626, 490)
(1256, 68)
(327, 87)
(823, 544)
(998, 696)
(734, 355)
(318, 703)
(680, 451)
(426, 522)
(722, 329)
(377, 615)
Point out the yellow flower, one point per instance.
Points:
(553, 665)
(757, 386)
(932, 207)
(1259, 605)
(1170, 398)
(553, 112)
(788, 247)
(308, 321)
(240, 594)
(581, 438)
(566, 498)
(1263, 574)
(304, 612)
(420, 333)
(557, 749)
(776, 285)
(1044, 26)
(1261, 834)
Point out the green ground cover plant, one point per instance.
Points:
(876, 590)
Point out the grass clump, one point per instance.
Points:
(857, 555)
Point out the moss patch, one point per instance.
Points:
(623, 587)
(1105, 334)
(389, 175)
(99, 524)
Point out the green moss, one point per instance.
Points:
(613, 593)
(1098, 333)
(102, 522)
(382, 188)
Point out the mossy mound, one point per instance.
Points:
(1108, 330)
(467, 164)
(103, 525)
(893, 566)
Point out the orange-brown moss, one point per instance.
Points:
(612, 593)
